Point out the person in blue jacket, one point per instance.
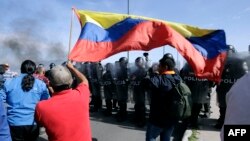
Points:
(22, 94)
(4, 127)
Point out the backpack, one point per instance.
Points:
(180, 103)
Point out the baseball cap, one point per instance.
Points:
(6, 65)
(60, 75)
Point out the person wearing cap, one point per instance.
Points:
(7, 73)
(22, 94)
(160, 124)
(65, 115)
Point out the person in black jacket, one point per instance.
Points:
(160, 122)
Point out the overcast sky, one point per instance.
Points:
(39, 30)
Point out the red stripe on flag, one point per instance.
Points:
(146, 36)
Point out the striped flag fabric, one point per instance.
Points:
(105, 34)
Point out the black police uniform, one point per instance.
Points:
(138, 77)
(95, 86)
(122, 92)
(109, 91)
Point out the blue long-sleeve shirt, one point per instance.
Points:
(21, 105)
(4, 127)
(2, 94)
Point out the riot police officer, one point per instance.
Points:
(200, 89)
(122, 88)
(236, 66)
(95, 85)
(109, 88)
(137, 78)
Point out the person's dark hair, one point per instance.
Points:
(167, 63)
(28, 67)
(168, 56)
(52, 65)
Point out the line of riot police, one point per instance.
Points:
(117, 82)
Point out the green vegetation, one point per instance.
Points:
(194, 136)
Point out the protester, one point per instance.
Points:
(2, 80)
(170, 56)
(159, 121)
(4, 127)
(22, 95)
(237, 100)
(65, 115)
(40, 74)
(51, 65)
(7, 73)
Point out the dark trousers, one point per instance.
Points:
(222, 115)
(122, 112)
(97, 101)
(140, 109)
(154, 131)
(108, 105)
(180, 129)
(24, 133)
(196, 108)
(207, 107)
(140, 112)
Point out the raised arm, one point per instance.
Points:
(80, 77)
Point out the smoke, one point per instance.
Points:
(28, 41)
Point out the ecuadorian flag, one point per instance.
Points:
(105, 34)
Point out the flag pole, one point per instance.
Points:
(128, 10)
(177, 60)
(163, 50)
(70, 31)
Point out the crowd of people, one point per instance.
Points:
(60, 99)
(31, 100)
